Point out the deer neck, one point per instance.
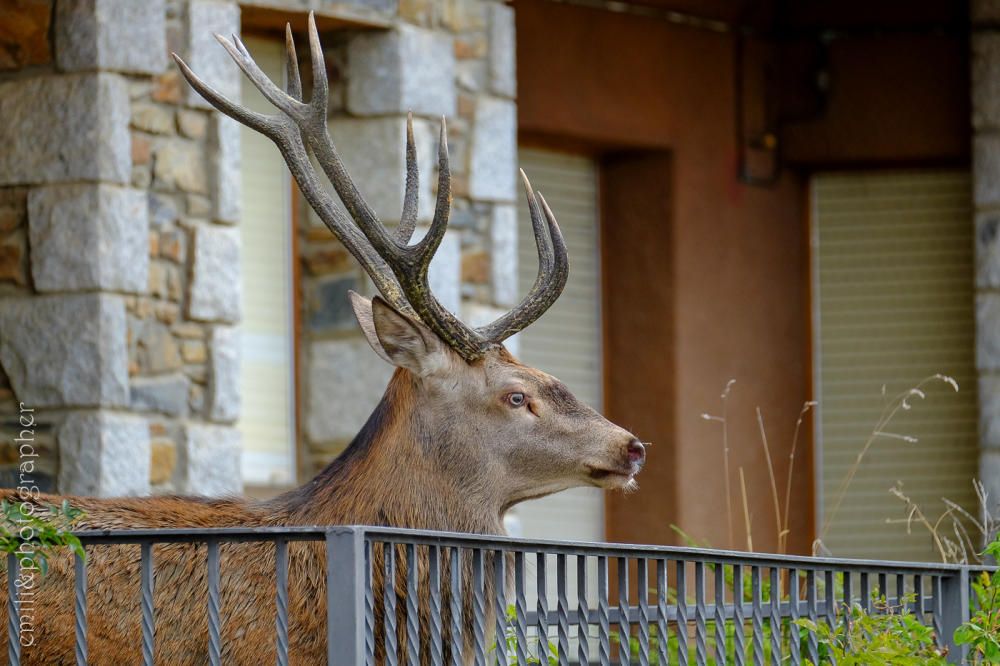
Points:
(399, 472)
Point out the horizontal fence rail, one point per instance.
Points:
(396, 596)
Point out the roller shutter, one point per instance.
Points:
(893, 304)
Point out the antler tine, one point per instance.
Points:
(539, 226)
(412, 264)
(442, 207)
(553, 270)
(294, 84)
(284, 102)
(320, 86)
(315, 132)
(408, 218)
(266, 125)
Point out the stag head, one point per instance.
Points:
(475, 407)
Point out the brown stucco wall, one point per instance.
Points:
(894, 99)
(734, 268)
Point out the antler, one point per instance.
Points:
(553, 270)
(398, 269)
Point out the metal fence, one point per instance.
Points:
(460, 599)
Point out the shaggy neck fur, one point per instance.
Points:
(399, 471)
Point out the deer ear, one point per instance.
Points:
(403, 341)
(363, 312)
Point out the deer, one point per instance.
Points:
(463, 432)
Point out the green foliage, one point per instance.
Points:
(510, 641)
(982, 632)
(673, 644)
(889, 636)
(33, 533)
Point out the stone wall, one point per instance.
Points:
(985, 62)
(452, 58)
(119, 254)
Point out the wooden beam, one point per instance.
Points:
(263, 17)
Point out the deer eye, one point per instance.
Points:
(516, 399)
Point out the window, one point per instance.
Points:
(893, 304)
(267, 420)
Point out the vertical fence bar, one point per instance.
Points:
(794, 647)
(148, 619)
(542, 609)
(214, 618)
(13, 616)
(582, 612)
(624, 628)
(369, 605)
(954, 609)
(500, 606)
(455, 603)
(739, 618)
(775, 621)
(663, 637)
(831, 600)
(720, 614)
(345, 595)
(520, 611)
(642, 589)
(562, 608)
(700, 616)
(812, 614)
(388, 605)
(758, 616)
(883, 586)
(847, 601)
(434, 596)
(603, 612)
(900, 590)
(682, 614)
(918, 598)
(865, 592)
(80, 608)
(281, 600)
(412, 606)
(478, 608)
(937, 613)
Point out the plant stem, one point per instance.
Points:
(791, 468)
(746, 511)
(725, 460)
(774, 484)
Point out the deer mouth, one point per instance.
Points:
(611, 478)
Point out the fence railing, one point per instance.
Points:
(459, 598)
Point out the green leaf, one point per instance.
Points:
(806, 624)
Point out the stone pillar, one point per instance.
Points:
(119, 264)
(452, 59)
(985, 63)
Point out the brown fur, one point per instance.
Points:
(419, 462)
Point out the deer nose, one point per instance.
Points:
(636, 452)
